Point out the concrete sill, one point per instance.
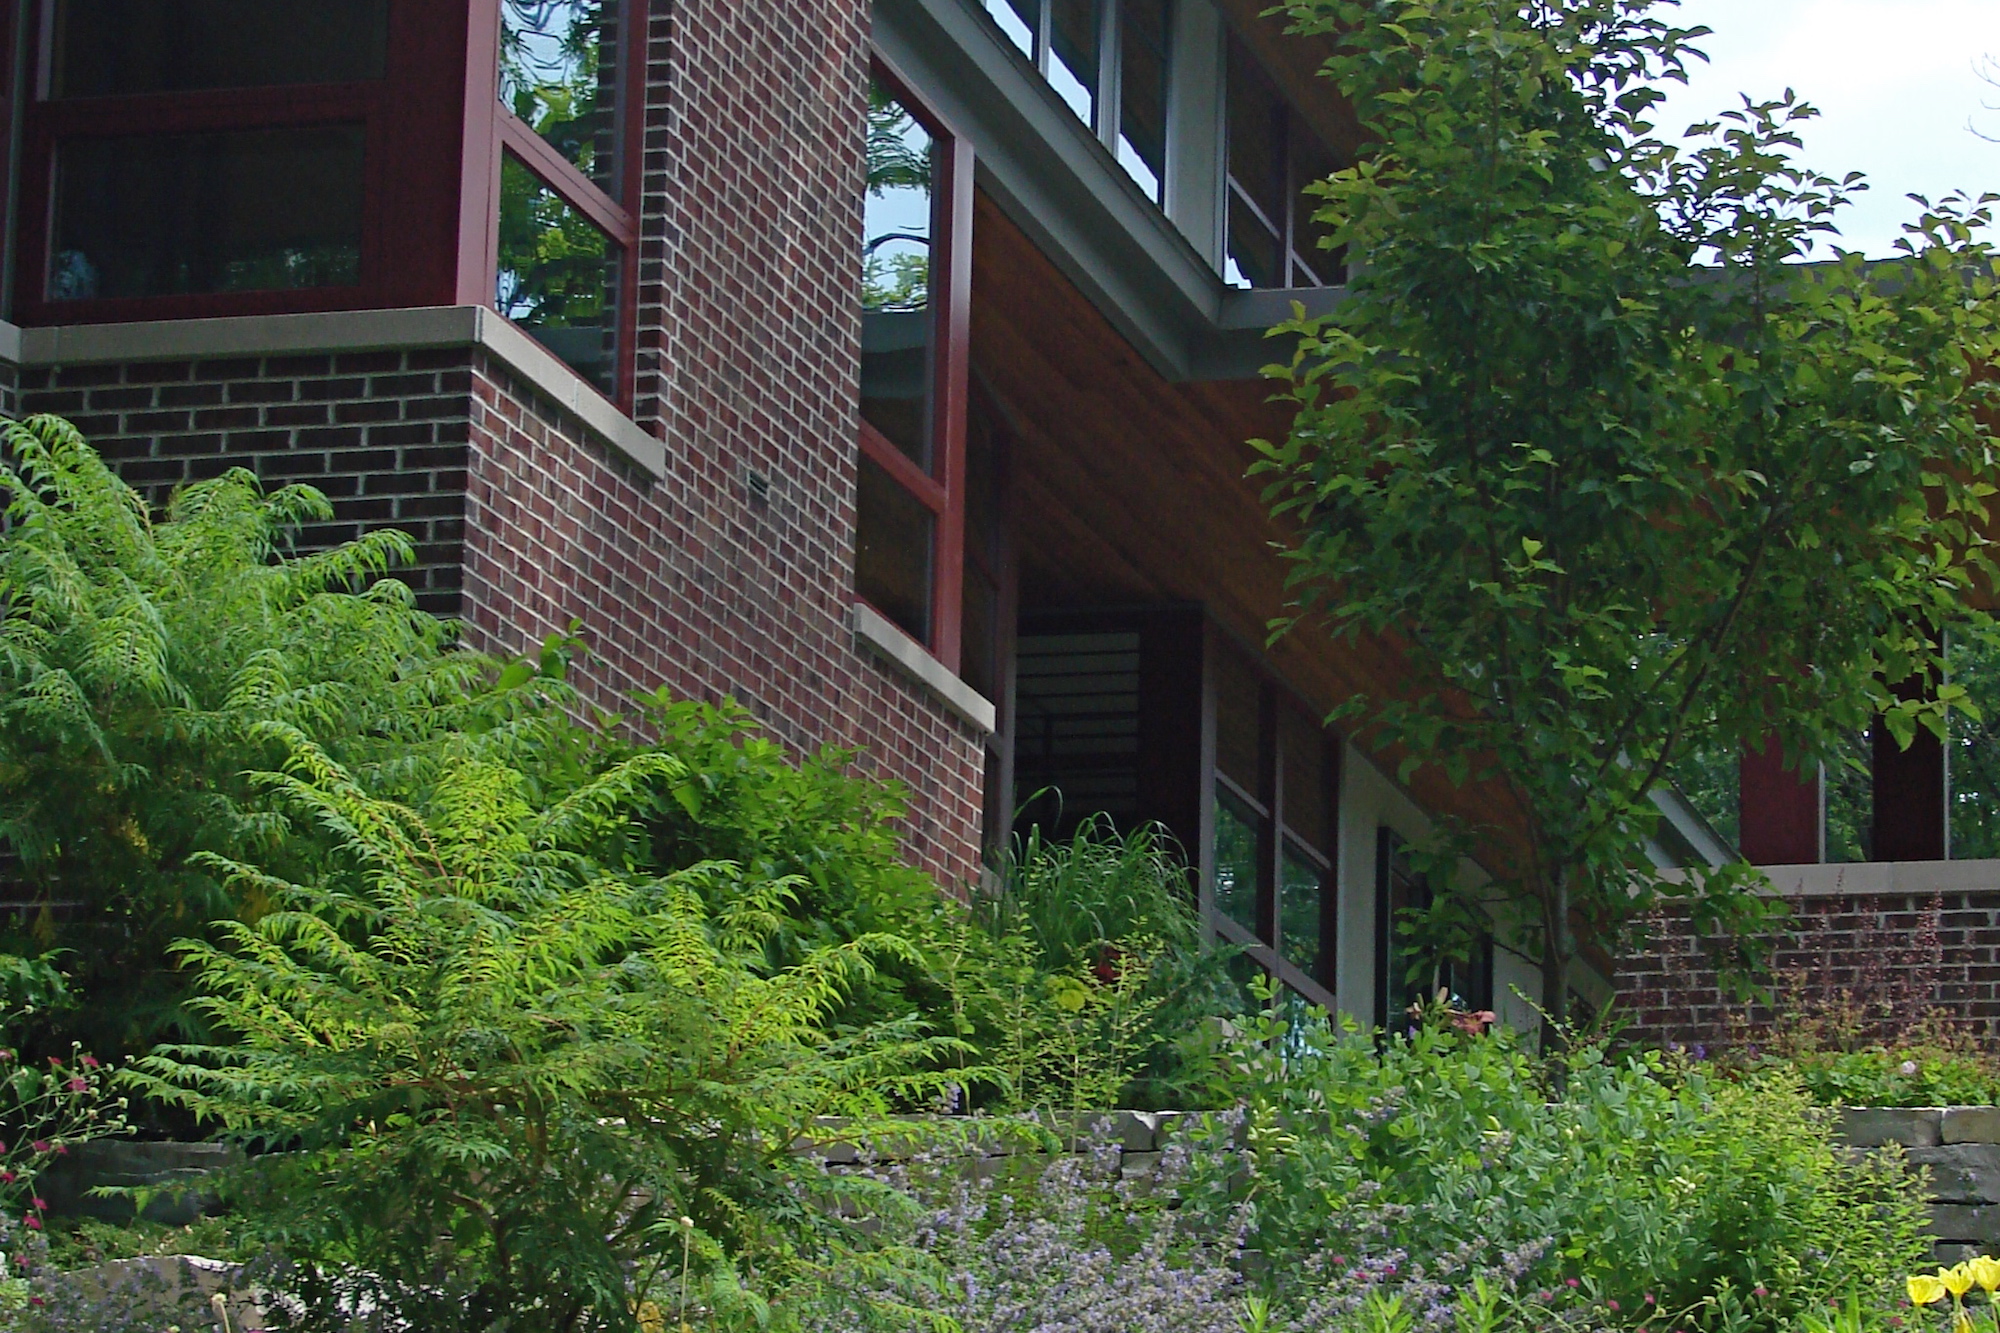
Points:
(879, 634)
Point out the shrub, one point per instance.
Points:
(502, 1063)
(141, 666)
(1651, 1186)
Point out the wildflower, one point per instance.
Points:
(1612, 1304)
(1907, 1068)
(79, 1085)
(1650, 1300)
(32, 1222)
(1571, 1282)
(40, 1145)
(1985, 1270)
(1957, 1280)
(41, 1205)
(90, 1062)
(1760, 1290)
(1924, 1289)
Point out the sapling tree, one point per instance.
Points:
(1612, 469)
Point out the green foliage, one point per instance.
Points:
(504, 1061)
(1614, 472)
(141, 666)
(1905, 1076)
(1634, 1179)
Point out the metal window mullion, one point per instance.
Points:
(1110, 75)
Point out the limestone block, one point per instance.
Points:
(1972, 1124)
(1873, 1126)
(1977, 1223)
(1962, 1172)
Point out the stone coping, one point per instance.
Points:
(343, 331)
(1919, 1126)
(879, 634)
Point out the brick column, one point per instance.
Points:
(1781, 812)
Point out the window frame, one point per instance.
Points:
(1266, 945)
(434, 137)
(1109, 111)
(1291, 256)
(941, 489)
(617, 218)
(1473, 976)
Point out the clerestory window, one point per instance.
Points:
(1272, 238)
(1108, 61)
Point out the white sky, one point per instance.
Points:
(1894, 80)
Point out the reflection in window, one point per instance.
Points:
(229, 211)
(559, 72)
(1142, 94)
(896, 321)
(1974, 753)
(1301, 896)
(557, 276)
(892, 550)
(1236, 876)
(1086, 47)
(1273, 240)
(102, 48)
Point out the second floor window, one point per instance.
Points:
(1107, 59)
(1273, 154)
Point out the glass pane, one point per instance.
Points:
(896, 322)
(557, 276)
(1254, 256)
(1142, 93)
(976, 634)
(1020, 20)
(559, 68)
(1236, 862)
(1850, 800)
(112, 47)
(1411, 973)
(1238, 728)
(1073, 30)
(1301, 895)
(892, 550)
(1311, 161)
(237, 211)
(1974, 757)
(1257, 119)
(1308, 812)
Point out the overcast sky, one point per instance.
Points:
(1895, 82)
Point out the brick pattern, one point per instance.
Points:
(383, 434)
(1899, 955)
(558, 529)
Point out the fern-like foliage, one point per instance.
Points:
(142, 665)
(505, 1063)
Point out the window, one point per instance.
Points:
(1272, 884)
(1273, 155)
(1108, 60)
(216, 157)
(910, 543)
(1409, 969)
(566, 253)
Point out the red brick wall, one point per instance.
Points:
(383, 434)
(707, 590)
(1897, 957)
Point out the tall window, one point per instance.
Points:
(1273, 155)
(1273, 885)
(915, 295)
(568, 233)
(1108, 60)
(1412, 964)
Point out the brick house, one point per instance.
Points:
(886, 367)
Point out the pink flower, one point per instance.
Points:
(33, 1223)
(8, 1177)
(79, 1085)
(40, 1145)
(41, 1205)
(1612, 1304)
(1759, 1291)
(1571, 1282)
(1650, 1300)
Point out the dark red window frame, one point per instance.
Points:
(434, 133)
(942, 489)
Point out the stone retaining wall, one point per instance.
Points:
(1961, 1147)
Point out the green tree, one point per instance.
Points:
(1613, 470)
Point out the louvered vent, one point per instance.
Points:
(1077, 726)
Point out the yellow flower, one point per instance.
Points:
(1985, 1271)
(651, 1320)
(1961, 1322)
(1957, 1279)
(1924, 1289)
